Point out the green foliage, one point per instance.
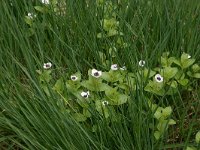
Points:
(108, 90)
(197, 140)
(57, 109)
(197, 137)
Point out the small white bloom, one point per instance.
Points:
(47, 65)
(123, 68)
(105, 103)
(95, 73)
(141, 63)
(189, 56)
(114, 67)
(45, 1)
(158, 78)
(31, 15)
(74, 78)
(85, 94)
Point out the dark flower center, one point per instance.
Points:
(105, 103)
(96, 74)
(158, 78)
(73, 78)
(47, 65)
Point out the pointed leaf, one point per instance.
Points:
(41, 9)
(197, 137)
(79, 117)
(171, 122)
(166, 112)
(157, 135)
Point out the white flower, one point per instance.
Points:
(123, 68)
(105, 103)
(114, 67)
(141, 63)
(45, 1)
(31, 15)
(189, 56)
(74, 78)
(95, 73)
(85, 94)
(158, 78)
(47, 65)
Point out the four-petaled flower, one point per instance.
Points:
(141, 63)
(158, 78)
(95, 73)
(85, 94)
(47, 65)
(45, 1)
(74, 78)
(105, 103)
(114, 67)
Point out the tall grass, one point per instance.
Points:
(31, 120)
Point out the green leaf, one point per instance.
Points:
(124, 87)
(186, 61)
(166, 112)
(191, 148)
(173, 84)
(41, 9)
(165, 61)
(155, 88)
(28, 20)
(86, 113)
(197, 137)
(112, 32)
(169, 72)
(165, 54)
(115, 97)
(122, 99)
(158, 112)
(148, 73)
(45, 76)
(172, 122)
(177, 62)
(195, 68)
(59, 86)
(183, 82)
(99, 35)
(72, 86)
(196, 75)
(109, 24)
(79, 117)
(157, 135)
(103, 110)
(112, 76)
(94, 85)
(162, 126)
